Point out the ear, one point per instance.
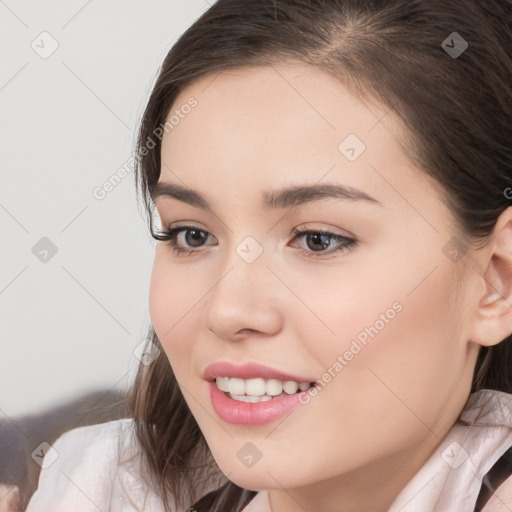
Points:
(493, 317)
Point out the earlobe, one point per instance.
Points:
(493, 320)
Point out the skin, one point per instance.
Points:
(9, 498)
(380, 418)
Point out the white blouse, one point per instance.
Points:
(100, 468)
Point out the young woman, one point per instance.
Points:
(331, 296)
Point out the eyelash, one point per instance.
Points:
(169, 235)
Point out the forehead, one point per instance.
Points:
(282, 104)
(280, 125)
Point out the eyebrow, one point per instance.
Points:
(290, 196)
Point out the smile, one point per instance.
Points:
(258, 389)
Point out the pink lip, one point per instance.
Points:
(248, 371)
(245, 413)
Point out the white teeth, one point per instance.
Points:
(302, 386)
(290, 387)
(249, 398)
(274, 387)
(223, 383)
(236, 386)
(258, 389)
(255, 387)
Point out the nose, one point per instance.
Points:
(244, 302)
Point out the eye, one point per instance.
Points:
(186, 240)
(318, 240)
(190, 235)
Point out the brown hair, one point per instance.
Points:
(456, 109)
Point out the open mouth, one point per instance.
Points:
(259, 389)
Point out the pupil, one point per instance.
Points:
(197, 237)
(318, 237)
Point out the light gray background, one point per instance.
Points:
(68, 122)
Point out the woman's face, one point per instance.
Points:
(379, 322)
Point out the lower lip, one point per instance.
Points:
(247, 413)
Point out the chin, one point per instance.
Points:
(260, 481)
(271, 474)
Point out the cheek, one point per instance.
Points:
(402, 325)
(173, 306)
(394, 360)
(161, 287)
(403, 350)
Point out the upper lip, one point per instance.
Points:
(248, 371)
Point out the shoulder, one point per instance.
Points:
(80, 467)
(101, 443)
(99, 433)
